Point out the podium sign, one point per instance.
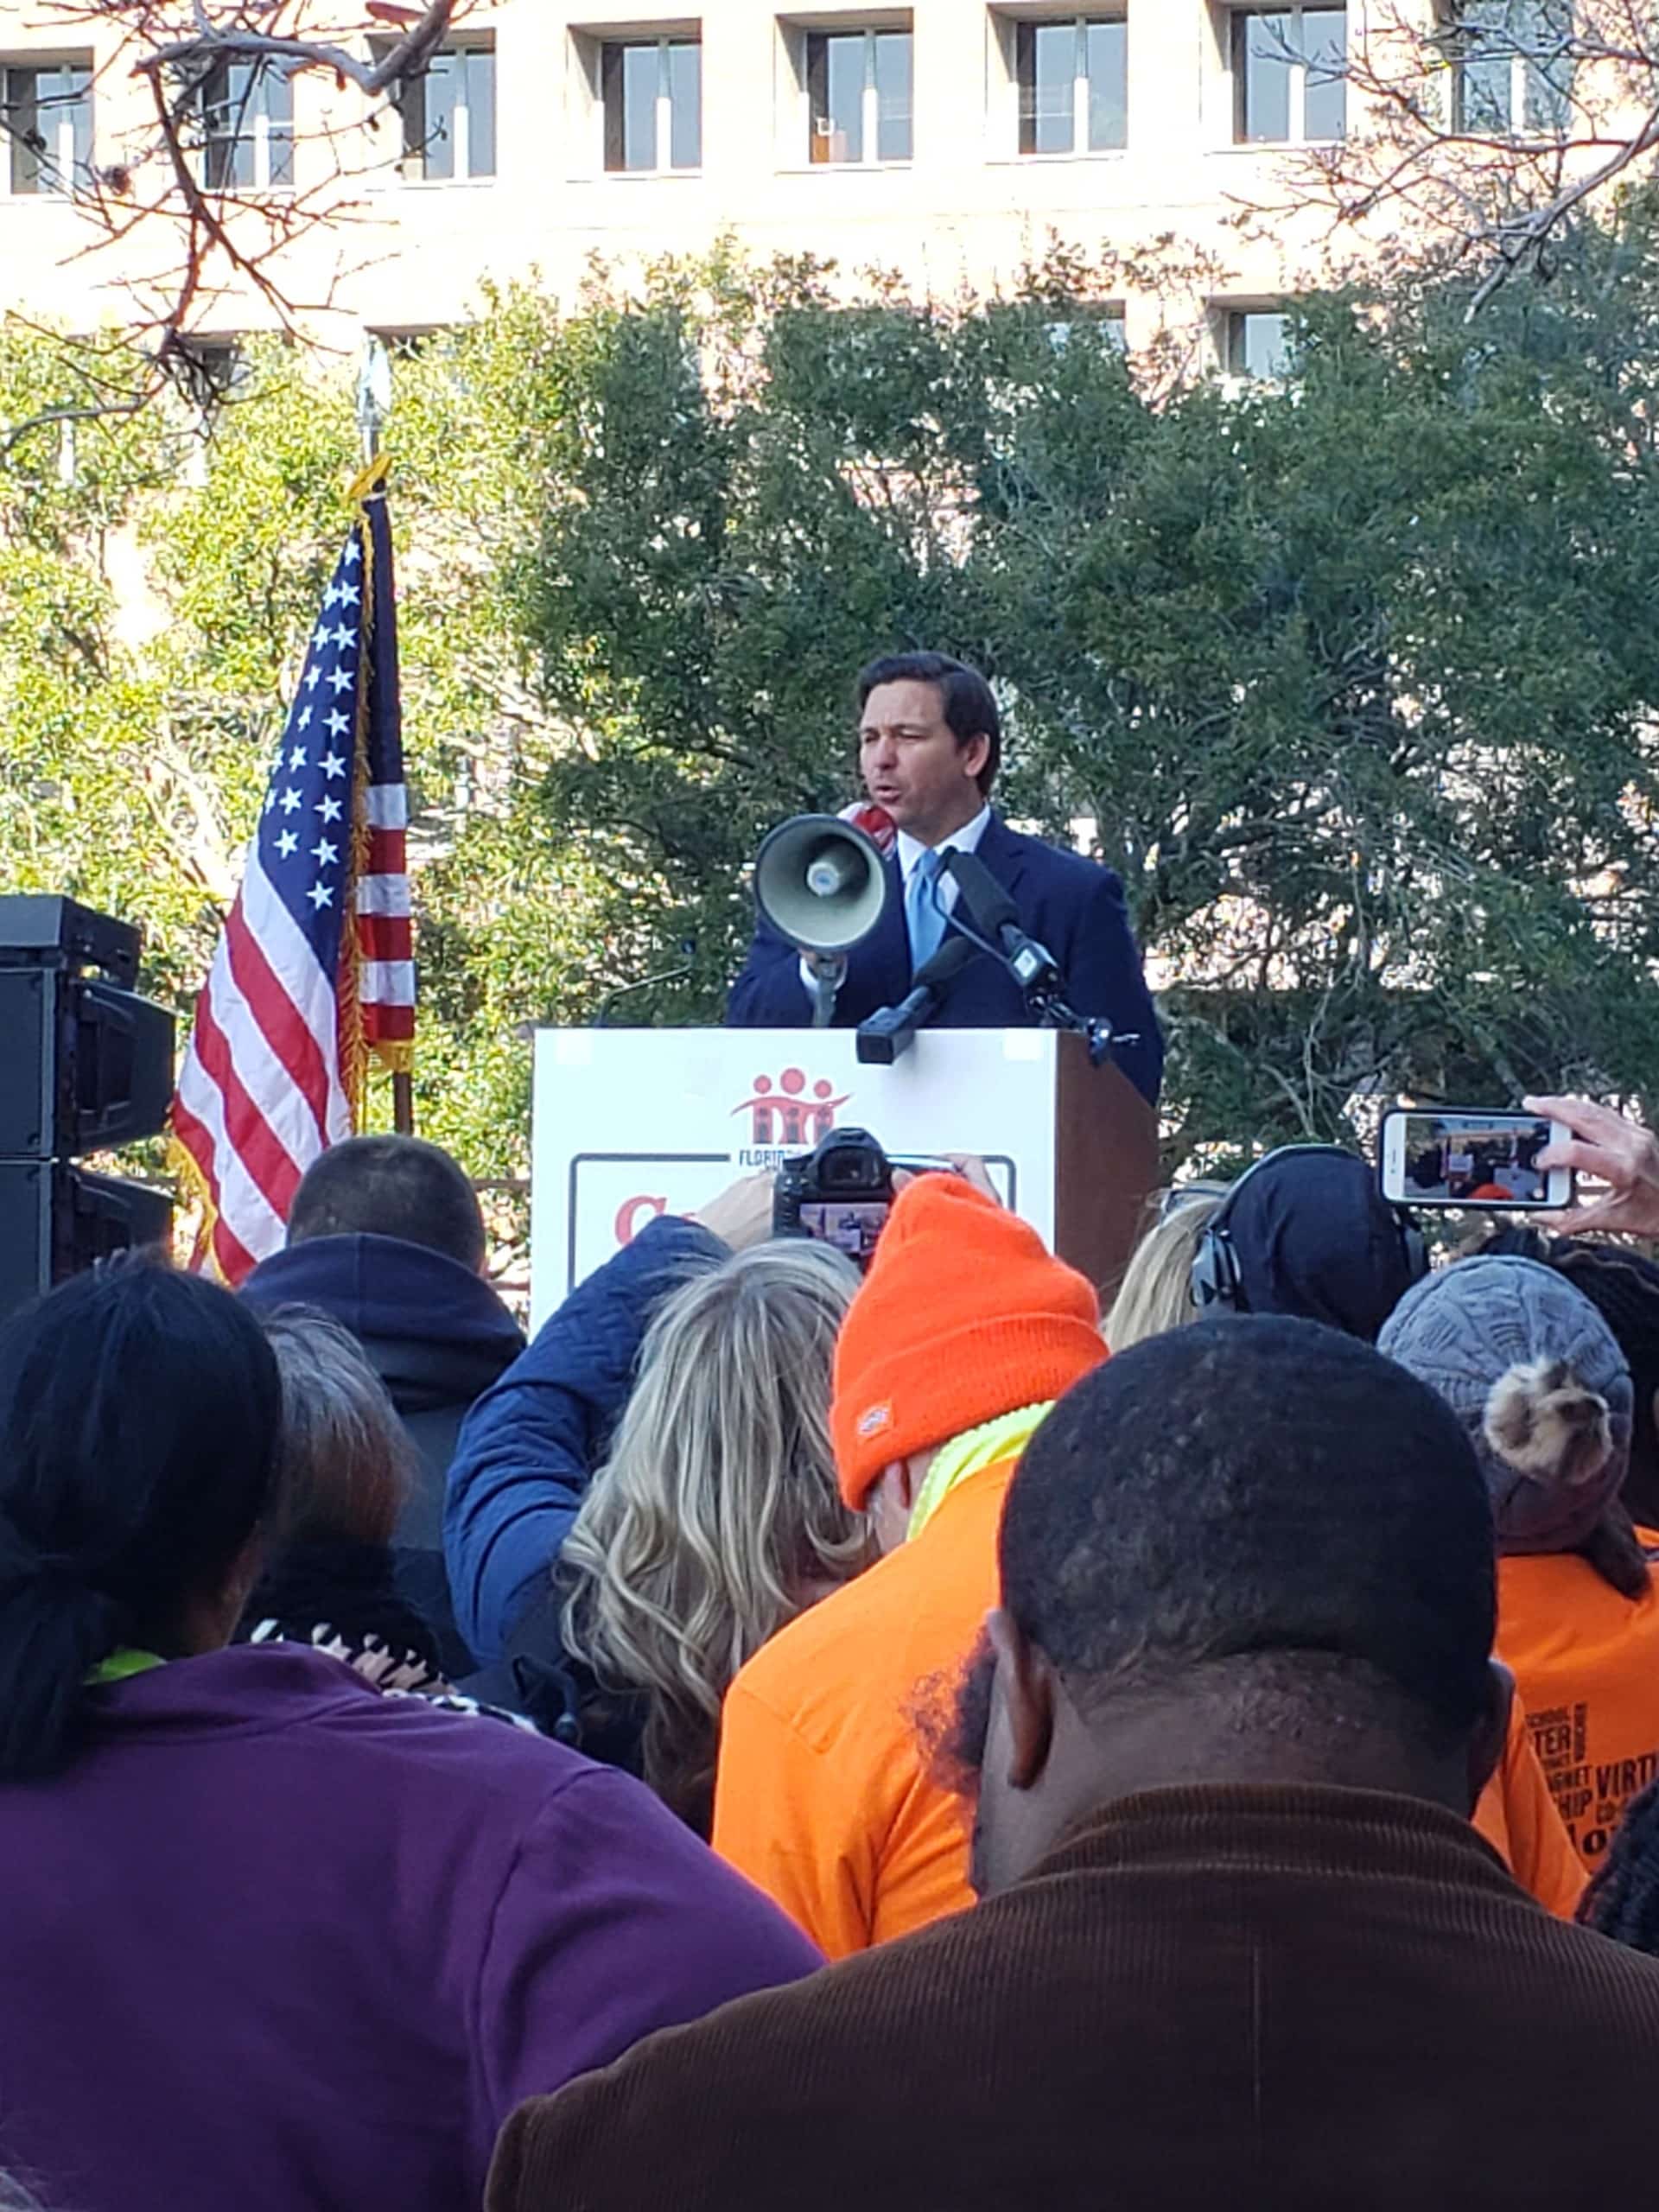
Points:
(630, 1123)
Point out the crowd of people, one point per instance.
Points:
(786, 1735)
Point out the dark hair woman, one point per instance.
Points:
(140, 1412)
(271, 1938)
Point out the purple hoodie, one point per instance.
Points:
(276, 1942)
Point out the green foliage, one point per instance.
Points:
(87, 801)
(1357, 676)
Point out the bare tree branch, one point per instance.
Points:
(1477, 126)
(214, 43)
(1521, 239)
(217, 239)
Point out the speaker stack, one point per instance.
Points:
(85, 1066)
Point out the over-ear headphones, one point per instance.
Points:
(1217, 1278)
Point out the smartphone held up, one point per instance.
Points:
(1472, 1159)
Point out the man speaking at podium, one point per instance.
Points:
(930, 740)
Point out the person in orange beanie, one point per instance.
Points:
(964, 1333)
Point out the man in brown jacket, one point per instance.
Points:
(1240, 1945)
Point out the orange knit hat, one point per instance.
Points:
(964, 1316)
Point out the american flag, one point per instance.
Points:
(314, 968)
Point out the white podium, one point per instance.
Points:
(630, 1123)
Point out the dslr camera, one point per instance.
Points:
(841, 1193)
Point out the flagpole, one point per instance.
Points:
(373, 405)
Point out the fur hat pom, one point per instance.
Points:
(1544, 1423)
(1540, 1384)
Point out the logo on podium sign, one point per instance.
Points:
(785, 1116)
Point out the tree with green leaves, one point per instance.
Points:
(1353, 673)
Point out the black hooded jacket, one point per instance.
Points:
(438, 1337)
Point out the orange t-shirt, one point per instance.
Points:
(1587, 1662)
(822, 1796)
(1517, 1816)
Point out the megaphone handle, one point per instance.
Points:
(829, 972)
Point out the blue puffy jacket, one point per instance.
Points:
(529, 1445)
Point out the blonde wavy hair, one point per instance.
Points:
(716, 1518)
(1156, 1293)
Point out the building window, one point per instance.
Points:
(1106, 322)
(448, 115)
(1513, 66)
(47, 109)
(859, 87)
(653, 105)
(1289, 74)
(1074, 85)
(210, 370)
(411, 345)
(1258, 342)
(246, 111)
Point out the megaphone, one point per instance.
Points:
(821, 883)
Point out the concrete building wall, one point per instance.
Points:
(966, 208)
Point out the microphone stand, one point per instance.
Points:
(645, 984)
(885, 1036)
(829, 974)
(1033, 967)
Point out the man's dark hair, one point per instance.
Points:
(1256, 1489)
(969, 703)
(391, 1186)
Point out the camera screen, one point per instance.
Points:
(851, 1225)
(1475, 1160)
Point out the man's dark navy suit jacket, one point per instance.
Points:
(1071, 904)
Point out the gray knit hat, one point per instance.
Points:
(1537, 1379)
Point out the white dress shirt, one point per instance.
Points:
(965, 840)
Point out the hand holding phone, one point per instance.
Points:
(968, 1165)
(1474, 1159)
(741, 1215)
(1598, 1141)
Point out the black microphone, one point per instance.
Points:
(995, 915)
(1032, 966)
(885, 1035)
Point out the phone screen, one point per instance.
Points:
(852, 1225)
(1452, 1159)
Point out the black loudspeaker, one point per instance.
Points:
(67, 1219)
(85, 1066)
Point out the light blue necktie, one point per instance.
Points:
(922, 916)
